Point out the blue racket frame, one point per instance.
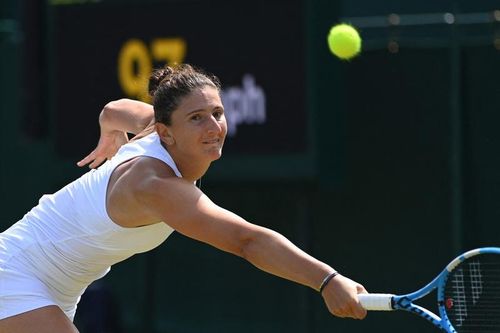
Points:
(405, 302)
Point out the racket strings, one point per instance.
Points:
(472, 295)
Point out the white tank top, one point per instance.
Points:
(68, 240)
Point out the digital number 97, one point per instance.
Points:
(135, 63)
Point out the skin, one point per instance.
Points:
(145, 191)
(153, 193)
(48, 319)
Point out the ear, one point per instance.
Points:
(164, 134)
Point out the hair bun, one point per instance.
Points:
(157, 77)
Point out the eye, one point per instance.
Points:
(195, 117)
(218, 114)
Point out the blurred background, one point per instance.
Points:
(386, 166)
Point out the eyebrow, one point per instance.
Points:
(194, 111)
(202, 110)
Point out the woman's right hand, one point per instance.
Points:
(340, 296)
(108, 145)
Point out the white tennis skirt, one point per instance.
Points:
(21, 292)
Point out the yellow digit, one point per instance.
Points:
(171, 50)
(134, 69)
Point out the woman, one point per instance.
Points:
(133, 202)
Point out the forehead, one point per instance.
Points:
(201, 98)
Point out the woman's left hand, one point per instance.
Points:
(107, 147)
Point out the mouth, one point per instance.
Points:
(213, 141)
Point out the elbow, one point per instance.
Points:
(108, 111)
(245, 249)
(241, 244)
(111, 108)
(251, 244)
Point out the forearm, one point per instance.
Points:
(194, 215)
(273, 253)
(126, 115)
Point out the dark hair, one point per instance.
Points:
(170, 84)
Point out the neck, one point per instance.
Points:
(190, 171)
(188, 167)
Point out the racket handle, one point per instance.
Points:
(376, 302)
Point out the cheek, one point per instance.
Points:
(224, 127)
(185, 138)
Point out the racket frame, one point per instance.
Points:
(405, 302)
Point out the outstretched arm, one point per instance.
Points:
(118, 118)
(186, 209)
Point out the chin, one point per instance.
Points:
(215, 155)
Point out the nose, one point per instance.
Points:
(214, 125)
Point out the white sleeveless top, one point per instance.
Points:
(68, 240)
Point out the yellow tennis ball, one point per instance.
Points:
(344, 41)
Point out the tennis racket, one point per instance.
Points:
(468, 294)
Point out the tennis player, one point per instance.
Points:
(133, 202)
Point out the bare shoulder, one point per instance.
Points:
(144, 165)
(136, 186)
(155, 182)
(148, 176)
(149, 192)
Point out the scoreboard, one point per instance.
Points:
(105, 50)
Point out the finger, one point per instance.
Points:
(338, 314)
(359, 312)
(98, 161)
(336, 309)
(361, 289)
(87, 159)
(344, 310)
(83, 162)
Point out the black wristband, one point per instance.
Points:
(326, 280)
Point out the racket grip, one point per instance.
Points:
(376, 302)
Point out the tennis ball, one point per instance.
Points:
(344, 41)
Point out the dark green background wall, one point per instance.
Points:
(405, 168)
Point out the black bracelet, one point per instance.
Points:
(326, 280)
